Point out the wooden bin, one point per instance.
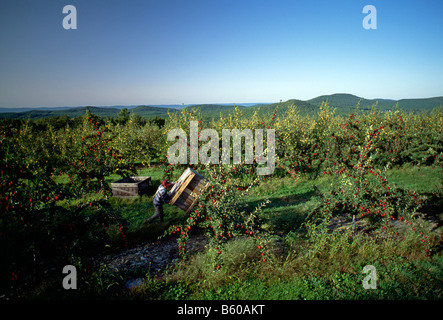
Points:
(129, 187)
(184, 194)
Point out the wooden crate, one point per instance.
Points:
(130, 187)
(184, 194)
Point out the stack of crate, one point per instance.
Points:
(184, 194)
(129, 187)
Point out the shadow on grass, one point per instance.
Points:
(286, 213)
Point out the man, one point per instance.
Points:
(160, 197)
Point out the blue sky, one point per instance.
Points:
(208, 51)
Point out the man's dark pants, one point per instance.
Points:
(158, 213)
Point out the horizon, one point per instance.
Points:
(247, 104)
(178, 106)
(124, 53)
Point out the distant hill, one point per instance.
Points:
(150, 112)
(303, 107)
(71, 112)
(144, 111)
(420, 104)
(343, 102)
(348, 102)
(213, 107)
(209, 111)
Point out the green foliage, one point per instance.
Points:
(55, 202)
(223, 213)
(137, 142)
(357, 152)
(89, 156)
(42, 218)
(123, 116)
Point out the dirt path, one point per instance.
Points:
(153, 257)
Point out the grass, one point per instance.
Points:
(419, 179)
(290, 200)
(297, 268)
(330, 270)
(326, 277)
(336, 286)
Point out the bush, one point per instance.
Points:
(223, 213)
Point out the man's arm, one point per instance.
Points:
(168, 196)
